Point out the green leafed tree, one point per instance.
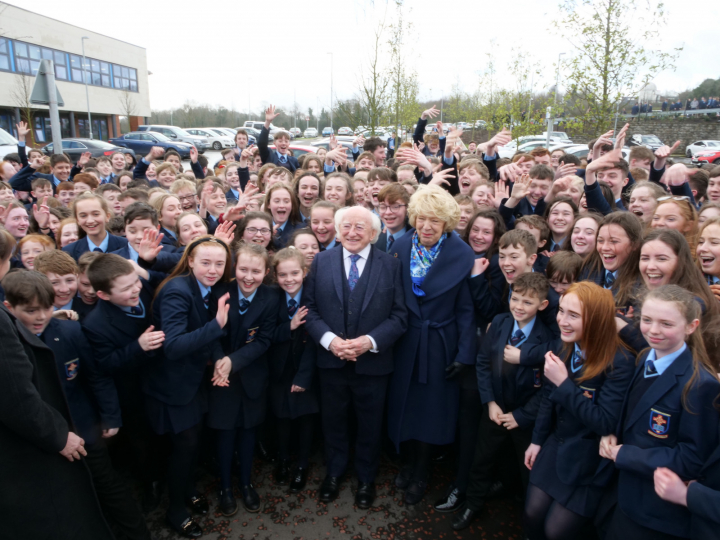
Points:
(610, 55)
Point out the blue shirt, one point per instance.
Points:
(609, 272)
(204, 291)
(241, 296)
(128, 310)
(236, 194)
(331, 244)
(553, 243)
(66, 306)
(172, 234)
(103, 245)
(527, 329)
(133, 254)
(280, 227)
(296, 298)
(396, 236)
(663, 363)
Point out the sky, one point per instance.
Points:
(245, 55)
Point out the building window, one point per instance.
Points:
(28, 57)
(4, 55)
(125, 78)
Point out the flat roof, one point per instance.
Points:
(67, 23)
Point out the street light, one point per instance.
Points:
(331, 89)
(87, 94)
(557, 82)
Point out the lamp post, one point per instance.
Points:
(87, 93)
(557, 82)
(331, 90)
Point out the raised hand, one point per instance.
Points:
(502, 191)
(440, 177)
(500, 139)
(662, 153)
(156, 152)
(193, 155)
(36, 162)
(42, 214)
(246, 155)
(270, 115)
(520, 189)
(225, 231)
(299, 318)
(567, 169)
(84, 158)
(479, 266)
(359, 141)
(222, 310)
(432, 112)
(332, 142)
(677, 175)
(620, 139)
(150, 339)
(150, 245)
(22, 130)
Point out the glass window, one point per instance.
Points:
(133, 74)
(125, 72)
(104, 68)
(75, 61)
(106, 81)
(96, 78)
(77, 75)
(61, 72)
(117, 82)
(59, 58)
(22, 65)
(4, 54)
(133, 86)
(3, 46)
(4, 62)
(95, 65)
(47, 54)
(21, 49)
(35, 52)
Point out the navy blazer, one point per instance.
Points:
(492, 282)
(596, 200)
(89, 394)
(22, 180)
(419, 137)
(77, 248)
(81, 308)
(528, 379)
(246, 343)
(661, 432)
(523, 208)
(281, 240)
(579, 414)
(155, 277)
(703, 501)
(293, 346)
(384, 315)
(191, 342)
(271, 156)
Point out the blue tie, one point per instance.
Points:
(517, 338)
(98, 250)
(136, 310)
(577, 361)
(390, 240)
(710, 279)
(650, 369)
(244, 305)
(609, 279)
(555, 248)
(206, 299)
(354, 274)
(292, 307)
(283, 158)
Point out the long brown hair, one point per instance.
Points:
(690, 309)
(599, 341)
(183, 267)
(629, 272)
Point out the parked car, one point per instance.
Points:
(217, 142)
(296, 132)
(310, 133)
(581, 150)
(706, 156)
(327, 131)
(253, 135)
(480, 124)
(142, 141)
(299, 149)
(650, 141)
(8, 143)
(699, 146)
(558, 135)
(342, 140)
(178, 134)
(77, 147)
(257, 125)
(345, 131)
(224, 132)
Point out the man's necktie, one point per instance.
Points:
(354, 275)
(517, 338)
(292, 307)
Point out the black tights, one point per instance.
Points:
(546, 519)
(181, 468)
(228, 440)
(304, 426)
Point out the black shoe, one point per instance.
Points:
(198, 504)
(365, 495)
(464, 519)
(452, 502)
(152, 492)
(227, 505)
(329, 489)
(251, 500)
(402, 480)
(264, 453)
(415, 492)
(188, 528)
(282, 471)
(299, 479)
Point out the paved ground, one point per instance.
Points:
(302, 517)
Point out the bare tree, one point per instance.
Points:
(375, 81)
(128, 108)
(20, 95)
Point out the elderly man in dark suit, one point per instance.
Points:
(356, 312)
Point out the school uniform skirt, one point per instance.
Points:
(286, 404)
(583, 500)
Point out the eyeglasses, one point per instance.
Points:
(187, 198)
(254, 230)
(394, 207)
(359, 227)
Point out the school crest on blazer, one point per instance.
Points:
(588, 393)
(251, 334)
(71, 369)
(659, 424)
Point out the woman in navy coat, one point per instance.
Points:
(440, 340)
(582, 399)
(176, 382)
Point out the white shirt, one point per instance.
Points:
(364, 254)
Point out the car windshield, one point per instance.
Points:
(6, 139)
(182, 133)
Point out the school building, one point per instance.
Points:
(116, 74)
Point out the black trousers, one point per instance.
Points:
(116, 500)
(471, 410)
(622, 528)
(491, 439)
(338, 389)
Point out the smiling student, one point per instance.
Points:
(322, 223)
(560, 215)
(307, 190)
(528, 194)
(282, 204)
(92, 215)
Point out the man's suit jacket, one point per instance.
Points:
(271, 156)
(384, 314)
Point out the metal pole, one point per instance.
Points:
(331, 90)
(442, 100)
(87, 94)
(617, 111)
(557, 82)
(53, 104)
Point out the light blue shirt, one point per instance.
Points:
(203, 290)
(396, 236)
(280, 227)
(127, 309)
(249, 299)
(236, 194)
(133, 254)
(715, 279)
(663, 363)
(553, 243)
(331, 244)
(609, 272)
(66, 306)
(328, 168)
(103, 245)
(172, 234)
(527, 330)
(296, 298)
(579, 351)
(448, 160)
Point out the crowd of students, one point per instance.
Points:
(174, 309)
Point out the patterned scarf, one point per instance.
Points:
(421, 259)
